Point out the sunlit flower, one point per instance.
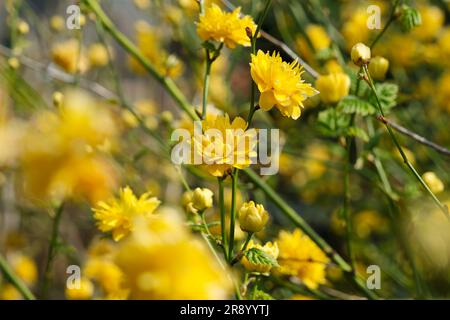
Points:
(280, 84)
(224, 144)
(300, 257)
(252, 217)
(225, 27)
(268, 248)
(117, 214)
(162, 260)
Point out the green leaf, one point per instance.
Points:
(357, 133)
(333, 123)
(261, 295)
(409, 18)
(387, 93)
(355, 105)
(259, 257)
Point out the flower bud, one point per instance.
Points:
(269, 248)
(58, 98)
(186, 202)
(202, 198)
(433, 182)
(23, 27)
(360, 54)
(333, 87)
(252, 217)
(378, 67)
(14, 63)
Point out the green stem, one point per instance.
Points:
(234, 179)
(239, 255)
(400, 149)
(52, 250)
(223, 217)
(15, 280)
(206, 83)
(167, 83)
(386, 26)
(346, 207)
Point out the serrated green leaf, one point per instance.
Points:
(387, 93)
(355, 105)
(259, 257)
(333, 123)
(409, 18)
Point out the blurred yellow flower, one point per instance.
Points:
(85, 291)
(333, 87)
(378, 67)
(57, 23)
(25, 268)
(107, 274)
(98, 55)
(70, 56)
(64, 152)
(280, 83)
(300, 257)
(117, 214)
(268, 248)
(433, 182)
(9, 292)
(318, 38)
(162, 260)
(149, 44)
(367, 222)
(219, 154)
(432, 21)
(226, 27)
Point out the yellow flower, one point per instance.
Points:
(433, 182)
(333, 87)
(234, 148)
(280, 84)
(107, 274)
(252, 217)
(432, 21)
(64, 152)
(367, 222)
(378, 67)
(149, 44)
(318, 39)
(142, 4)
(9, 292)
(57, 23)
(269, 248)
(162, 260)
(25, 268)
(300, 257)
(98, 55)
(69, 56)
(225, 27)
(202, 198)
(360, 54)
(117, 215)
(84, 292)
(23, 27)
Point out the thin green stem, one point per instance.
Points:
(52, 250)
(14, 279)
(167, 83)
(346, 207)
(234, 180)
(223, 217)
(208, 64)
(392, 18)
(400, 149)
(243, 248)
